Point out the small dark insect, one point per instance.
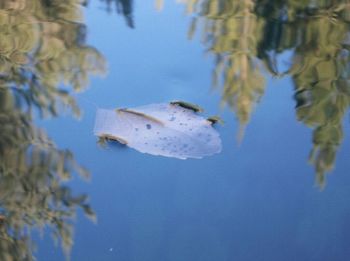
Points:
(187, 105)
(215, 119)
(107, 137)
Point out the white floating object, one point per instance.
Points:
(160, 129)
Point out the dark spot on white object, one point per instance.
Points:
(136, 129)
(157, 132)
(190, 129)
(148, 126)
(146, 143)
(172, 118)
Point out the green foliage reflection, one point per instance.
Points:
(242, 35)
(231, 31)
(41, 50)
(320, 71)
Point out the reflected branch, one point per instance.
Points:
(246, 36)
(38, 54)
(42, 54)
(231, 32)
(124, 7)
(318, 36)
(32, 192)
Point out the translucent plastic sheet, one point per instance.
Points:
(160, 129)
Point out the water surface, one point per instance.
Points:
(276, 72)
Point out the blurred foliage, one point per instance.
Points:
(318, 35)
(42, 54)
(41, 49)
(231, 31)
(243, 35)
(32, 189)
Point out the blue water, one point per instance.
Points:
(257, 200)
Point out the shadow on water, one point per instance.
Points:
(41, 47)
(246, 38)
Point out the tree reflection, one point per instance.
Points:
(124, 7)
(318, 36)
(231, 31)
(41, 47)
(243, 35)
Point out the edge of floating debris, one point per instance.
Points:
(151, 118)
